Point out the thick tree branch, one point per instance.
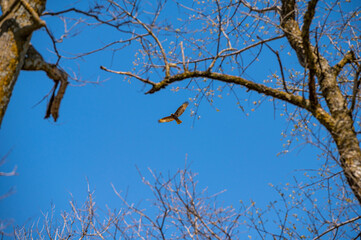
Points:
(348, 58)
(355, 89)
(33, 13)
(35, 62)
(6, 10)
(16, 26)
(299, 41)
(291, 29)
(310, 56)
(319, 113)
(307, 20)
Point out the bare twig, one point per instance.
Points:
(280, 64)
(9, 174)
(336, 226)
(129, 74)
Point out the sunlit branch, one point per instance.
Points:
(263, 10)
(9, 174)
(33, 13)
(193, 210)
(299, 101)
(238, 51)
(336, 226)
(131, 206)
(6, 10)
(129, 74)
(253, 45)
(348, 58)
(183, 57)
(218, 56)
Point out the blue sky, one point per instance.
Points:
(105, 130)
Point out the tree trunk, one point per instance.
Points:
(19, 20)
(343, 132)
(341, 126)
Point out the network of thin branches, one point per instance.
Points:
(180, 210)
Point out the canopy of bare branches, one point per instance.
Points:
(211, 47)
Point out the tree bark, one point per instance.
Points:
(19, 20)
(342, 127)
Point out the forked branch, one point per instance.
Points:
(348, 58)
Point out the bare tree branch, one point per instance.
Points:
(336, 226)
(348, 58)
(9, 174)
(355, 89)
(129, 74)
(308, 17)
(35, 62)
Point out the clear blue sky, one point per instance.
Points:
(106, 130)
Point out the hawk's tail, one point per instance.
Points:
(178, 121)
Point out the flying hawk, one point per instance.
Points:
(174, 116)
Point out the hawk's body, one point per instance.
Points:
(174, 116)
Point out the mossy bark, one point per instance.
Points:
(342, 125)
(16, 27)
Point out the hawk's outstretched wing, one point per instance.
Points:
(166, 119)
(174, 116)
(181, 109)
